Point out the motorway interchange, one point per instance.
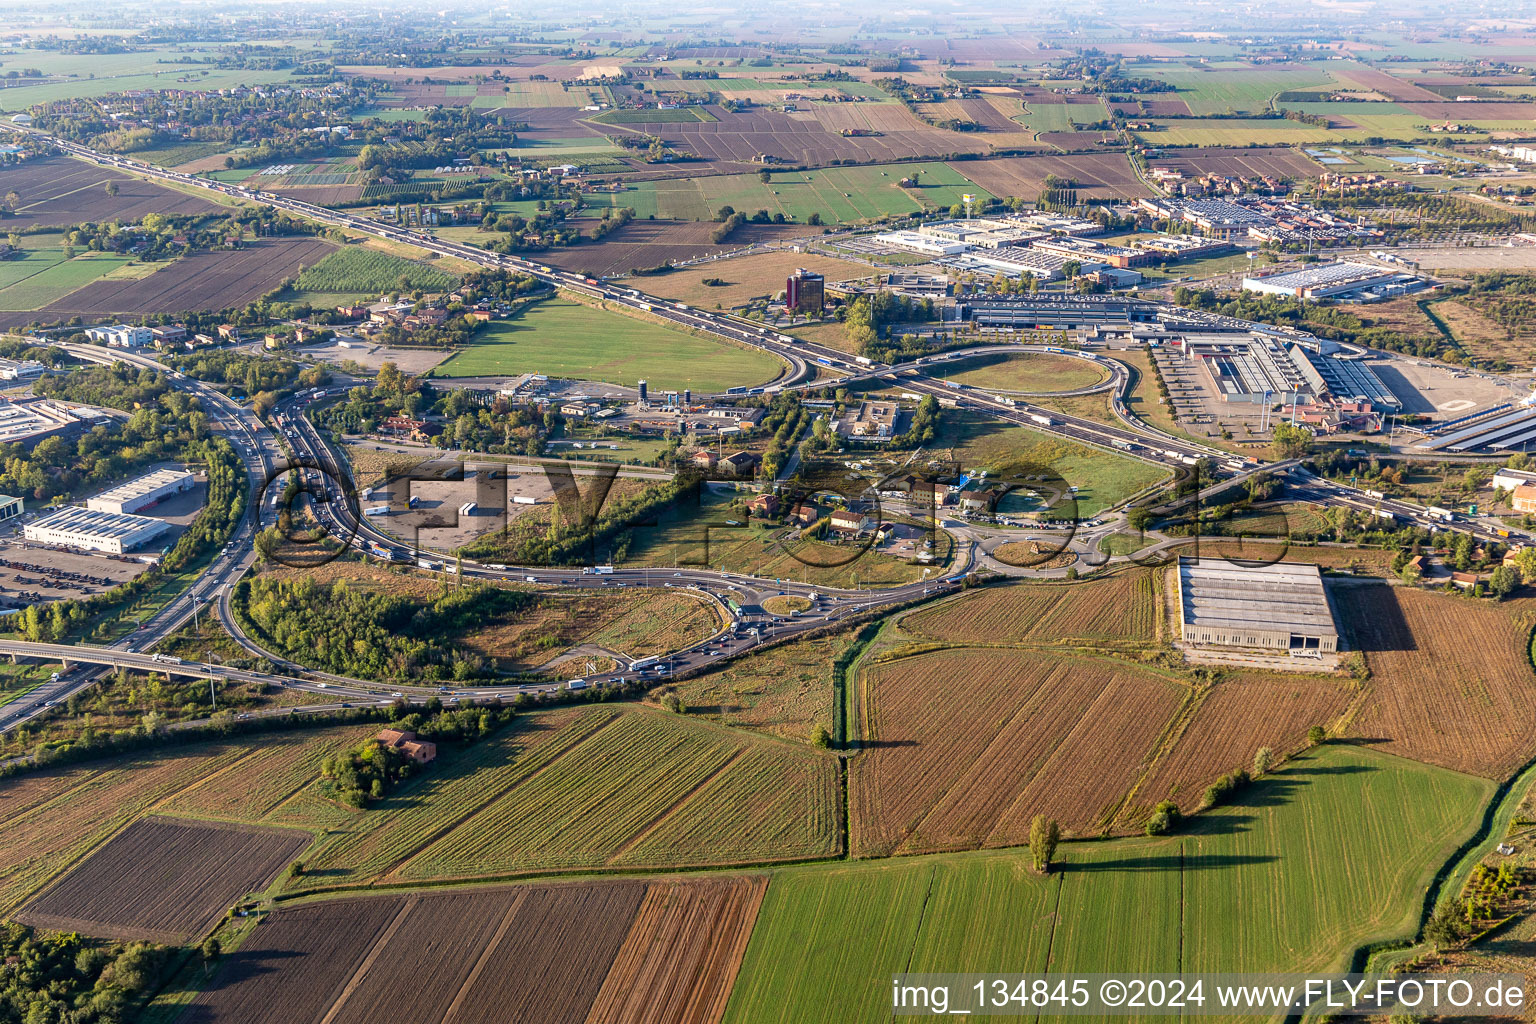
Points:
(338, 508)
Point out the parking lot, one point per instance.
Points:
(31, 572)
(436, 524)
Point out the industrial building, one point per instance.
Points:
(21, 369)
(1507, 427)
(76, 527)
(1057, 312)
(1271, 607)
(1346, 380)
(1333, 281)
(121, 335)
(982, 232)
(805, 291)
(10, 507)
(924, 245)
(142, 493)
(1015, 262)
(37, 419)
(1262, 368)
(1091, 251)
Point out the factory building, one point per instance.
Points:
(1254, 369)
(141, 493)
(925, 245)
(1333, 281)
(1091, 251)
(21, 369)
(805, 291)
(983, 232)
(10, 507)
(76, 527)
(1347, 380)
(1270, 607)
(1057, 312)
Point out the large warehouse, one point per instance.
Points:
(141, 493)
(112, 532)
(1273, 607)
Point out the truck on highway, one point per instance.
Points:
(598, 570)
(1042, 419)
(165, 659)
(1444, 515)
(576, 684)
(641, 664)
(1384, 515)
(863, 360)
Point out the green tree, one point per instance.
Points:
(111, 188)
(1525, 561)
(1291, 442)
(1503, 581)
(1044, 835)
(1317, 736)
(1263, 759)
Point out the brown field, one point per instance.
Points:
(1362, 561)
(58, 191)
(1451, 679)
(650, 243)
(747, 277)
(203, 280)
(1279, 161)
(665, 953)
(46, 837)
(1119, 607)
(679, 961)
(1240, 714)
(164, 879)
(741, 137)
(1370, 79)
(965, 746)
(1096, 174)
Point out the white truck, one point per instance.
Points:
(1042, 419)
(599, 570)
(376, 510)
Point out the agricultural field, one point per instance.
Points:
(52, 277)
(1235, 131)
(1025, 372)
(1269, 882)
(962, 747)
(743, 278)
(654, 953)
(642, 244)
(839, 195)
(204, 280)
(563, 338)
(1451, 679)
(355, 272)
(164, 879)
(1242, 88)
(1100, 175)
(676, 791)
(59, 191)
(1123, 607)
(785, 691)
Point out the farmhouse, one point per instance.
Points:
(405, 741)
(1523, 498)
(765, 505)
(848, 522)
(1272, 607)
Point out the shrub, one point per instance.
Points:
(1165, 818)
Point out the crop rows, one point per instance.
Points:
(451, 793)
(1450, 679)
(649, 788)
(369, 271)
(164, 879)
(680, 959)
(968, 745)
(279, 769)
(41, 840)
(1120, 607)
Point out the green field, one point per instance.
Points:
(54, 280)
(1242, 88)
(838, 194)
(361, 272)
(568, 339)
(1238, 131)
(1102, 479)
(1333, 850)
(1025, 372)
(23, 97)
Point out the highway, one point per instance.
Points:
(339, 509)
